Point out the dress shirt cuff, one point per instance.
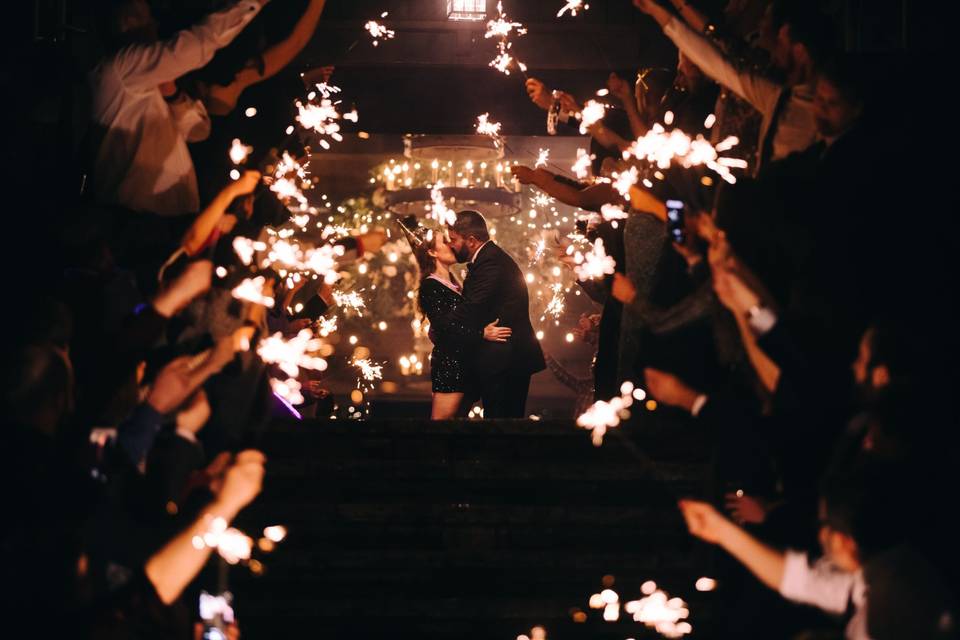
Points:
(796, 571)
(187, 435)
(698, 405)
(761, 320)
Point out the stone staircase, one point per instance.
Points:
(407, 528)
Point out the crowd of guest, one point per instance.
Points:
(770, 313)
(783, 315)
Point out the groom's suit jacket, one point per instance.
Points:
(495, 288)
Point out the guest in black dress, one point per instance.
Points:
(439, 296)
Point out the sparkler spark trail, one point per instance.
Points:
(350, 300)
(556, 305)
(624, 180)
(238, 151)
(326, 326)
(582, 165)
(251, 290)
(368, 370)
(595, 263)
(542, 200)
(379, 31)
(613, 212)
(292, 355)
(501, 28)
(320, 118)
(603, 415)
(662, 148)
(592, 113)
(485, 126)
(573, 6)
(245, 248)
(288, 178)
(657, 611)
(542, 157)
(232, 545)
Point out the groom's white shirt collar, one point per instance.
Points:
(474, 256)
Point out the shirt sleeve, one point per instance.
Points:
(146, 66)
(759, 91)
(822, 584)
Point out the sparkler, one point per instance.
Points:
(368, 370)
(488, 127)
(292, 355)
(350, 300)
(232, 544)
(542, 157)
(595, 263)
(326, 326)
(582, 165)
(287, 180)
(656, 610)
(320, 118)
(542, 200)
(573, 6)
(501, 28)
(238, 151)
(556, 305)
(662, 148)
(603, 415)
(245, 248)
(251, 290)
(379, 31)
(624, 180)
(592, 113)
(288, 389)
(613, 212)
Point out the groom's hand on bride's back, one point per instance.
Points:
(493, 333)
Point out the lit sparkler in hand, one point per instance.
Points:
(368, 370)
(232, 544)
(501, 28)
(613, 212)
(289, 179)
(238, 151)
(556, 305)
(624, 180)
(573, 6)
(595, 263)
(662, 148)
(581, 168)
(251, 290)
(542, 157)
(487, 127)
(350, 300)
(379, 31)
(326, 326)
(603, 415)
(293, 354)
(592, 113)
(656, 610)
(245, 248)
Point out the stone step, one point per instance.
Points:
(469, 529)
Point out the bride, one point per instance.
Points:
(439, 295)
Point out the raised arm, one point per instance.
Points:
(198, 233)
(755, 89)
(697, 20)
(278, 56)
(147, 66)
(179, 561)
(590, 198)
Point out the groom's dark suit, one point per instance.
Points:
(495, 288)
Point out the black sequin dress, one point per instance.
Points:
(448, 370)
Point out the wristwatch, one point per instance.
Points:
(553, 113)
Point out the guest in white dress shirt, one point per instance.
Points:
(141, 159)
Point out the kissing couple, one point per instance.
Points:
(484, 344)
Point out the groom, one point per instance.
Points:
(494, 289)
